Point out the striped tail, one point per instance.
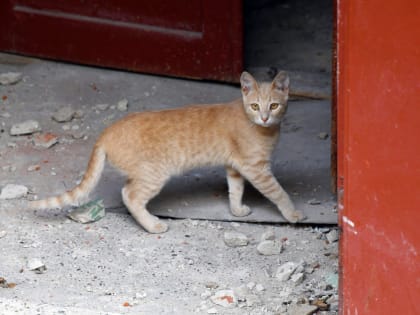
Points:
(81, 191)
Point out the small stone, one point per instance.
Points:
(102, 107)
(225, 298)
(141, 295)
(241, 292)
(45, 140)
(314, 201)
(268, 248)
(302, 309)
(284, 272)
(323, 135)
(332, 236)
(33, 168)
(205, 295)
(297, 278)
(123, 105)
(36, 265)
(66, 127)
(332, 279)
(12, 191)
(235, 239)
(75, 127)
(64, 114)
(3, 234)
(78, 114)
(211, 285)
(9, 78)
(9, 168)
(234, 224)
(212, 311)
(259, 287)
(251, 285)
(77, 135)
(11, 145)
(268, 235)
(25, 128)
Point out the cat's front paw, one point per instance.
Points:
(294, 216)
(241, 211)
(156, 226)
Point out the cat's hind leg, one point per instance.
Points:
(136, 194)
(261, 177)
(236, 190)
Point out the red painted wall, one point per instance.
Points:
(378, 101)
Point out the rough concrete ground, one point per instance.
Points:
(113, 266)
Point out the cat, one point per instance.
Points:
(150, 147)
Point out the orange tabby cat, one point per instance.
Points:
(150, 147)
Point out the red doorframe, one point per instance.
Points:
(378, 101)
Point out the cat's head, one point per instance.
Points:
(266, 103)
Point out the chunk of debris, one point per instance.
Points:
(211, 285)
(123, 105)
(45, 140)
(314, 202)
(225, 298)
(12, 191)
(25, 128)
(284, 272)
(102, 107)
(332, 236)
(297, 278)
(36, 265)
(89, 212)
(33, 168)
(4, 284)
(235, 239)
(302, 309)
(323, 135)
(3, 234)
(212, 311)
(269, 247)
(268, 235)
(10, 78)
(64, 114)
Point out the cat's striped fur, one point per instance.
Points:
(150, 147)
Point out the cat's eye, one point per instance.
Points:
(274, 106)
(255, 106)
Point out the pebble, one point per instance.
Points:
(45, 140)
(25, 128)
(268, 235)
(9, 168)
(12, 191)
(269, 247)
(235, 239)
(64, 114)
(235, 224)
(212, 311)
(297, 278)
(332, 236)
(102, 107)
(314, 201)
(251, 285)
(211, 285)
(323, 135)
(123, 105)
(33, 168)
(9, 78)
(36, 265)
(225, 298)
(302, 309)
(2, 234)
(284, 272)
(259, 287)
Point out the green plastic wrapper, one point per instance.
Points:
(89, 212)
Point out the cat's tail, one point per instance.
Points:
(81, 191)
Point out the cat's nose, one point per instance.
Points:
(264, 119)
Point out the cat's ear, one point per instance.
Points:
(248, 83)
(281, 82)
